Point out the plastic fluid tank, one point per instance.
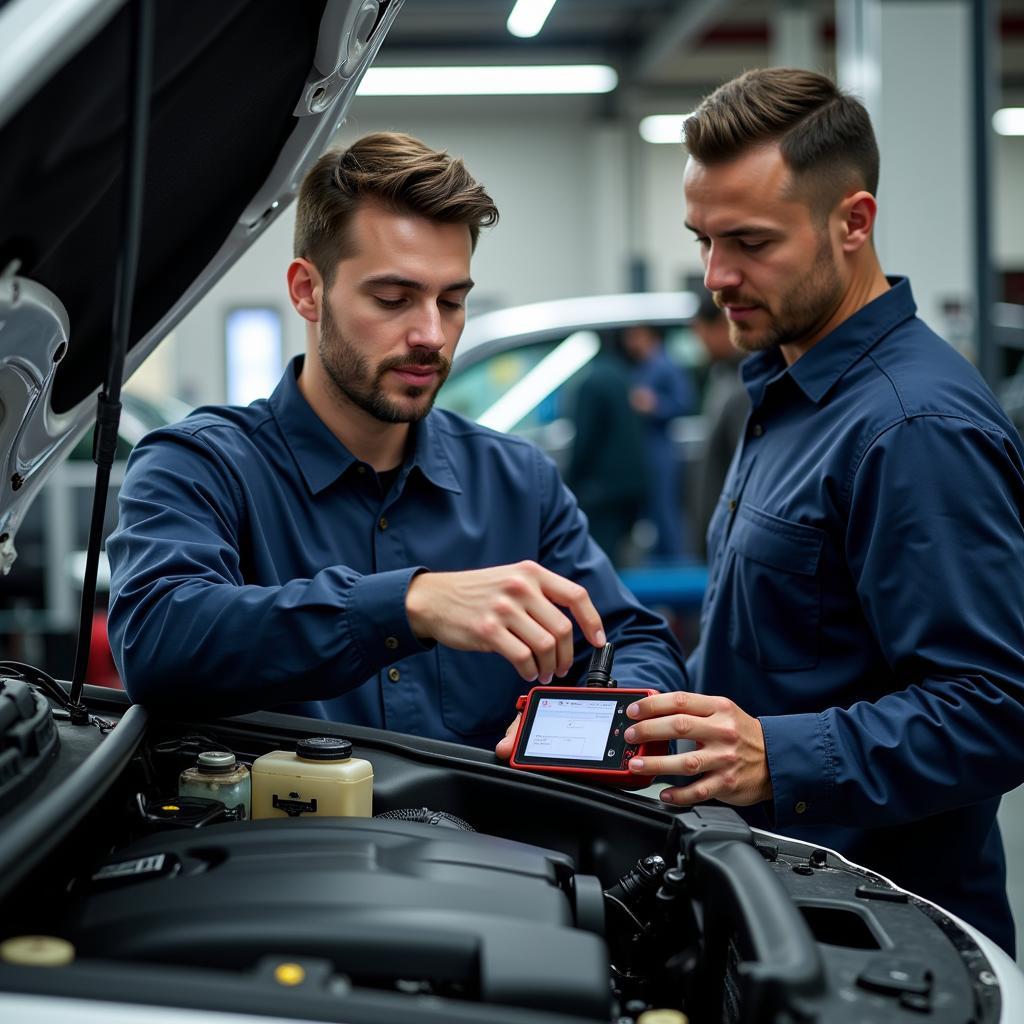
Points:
(321, 777)
(217, 775)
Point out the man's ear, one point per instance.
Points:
(305, 289)
(856, 214)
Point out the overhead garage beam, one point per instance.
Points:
(687, 24)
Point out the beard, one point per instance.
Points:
(350, 373)
(802, 309)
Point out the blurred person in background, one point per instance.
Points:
(661, 392)
(608, 466)
(724, 410)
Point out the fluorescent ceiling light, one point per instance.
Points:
(663, 128)
(528, 17)
(546, 377)
(1009, 121)
(530, 79)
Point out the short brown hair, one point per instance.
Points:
(392, 169)
(824, 134)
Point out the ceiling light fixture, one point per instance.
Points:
(528, 17)
(529, 79)
(663, 128)
(1009, 121)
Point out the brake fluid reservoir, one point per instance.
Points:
(321, 777)
(218, 776)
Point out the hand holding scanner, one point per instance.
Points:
(579, 731)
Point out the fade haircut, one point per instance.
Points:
(395, 171)
(824, 135)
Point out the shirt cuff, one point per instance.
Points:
(802, 769)
(377, 617)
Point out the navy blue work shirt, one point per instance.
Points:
(257, 564)
(866, 602)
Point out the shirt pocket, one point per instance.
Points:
(775, 600)
(478, 692)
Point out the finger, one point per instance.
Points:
(676, 702)
(574, 597)
(504, 748)
(665, 764)
(559, 626)
(678, 727)
(543, 646)
(514, 651)
(687, 796)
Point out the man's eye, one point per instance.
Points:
(451, 304)
(701, 240)
(388, 303)
(752, 246)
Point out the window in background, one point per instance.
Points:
(253, 353)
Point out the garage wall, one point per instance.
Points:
(581, 197)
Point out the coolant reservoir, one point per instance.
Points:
(217, 776)
(321, 777)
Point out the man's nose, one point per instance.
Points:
(720, 272)
(427, 330)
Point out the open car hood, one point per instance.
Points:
(245, 96)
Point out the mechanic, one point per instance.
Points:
(340, 550)
(859, 680)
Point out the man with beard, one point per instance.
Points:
(341, 550)
(859, 682)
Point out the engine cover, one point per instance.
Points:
(388, 903)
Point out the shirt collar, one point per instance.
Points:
(431, 454)
(322, 458)
(822, 366)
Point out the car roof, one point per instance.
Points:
(499, 329)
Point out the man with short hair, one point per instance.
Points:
(340, 550)
(866, 595)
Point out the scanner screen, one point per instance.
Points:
(570, 729)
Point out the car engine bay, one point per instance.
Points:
(474, 892)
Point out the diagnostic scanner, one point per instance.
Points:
(579, 731)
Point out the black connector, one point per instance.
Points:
(599, 671)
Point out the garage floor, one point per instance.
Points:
(1011, 821)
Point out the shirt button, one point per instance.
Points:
(801, 806)
(383, 522)
(391, 643)
(394, 675)
(361, 470)
(757, 430)
(732, 504)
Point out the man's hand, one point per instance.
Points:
(643, 400)
(730, 748)
(511, 610)
(504, 748)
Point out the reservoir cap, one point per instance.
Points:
(324, 748)
(216, 762)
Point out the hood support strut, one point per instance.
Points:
(108, 413)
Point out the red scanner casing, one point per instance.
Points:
(619, 776)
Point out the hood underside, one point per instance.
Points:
(245, 96)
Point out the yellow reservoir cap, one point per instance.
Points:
(37, 951)
(662, 1017)
(289, 974)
